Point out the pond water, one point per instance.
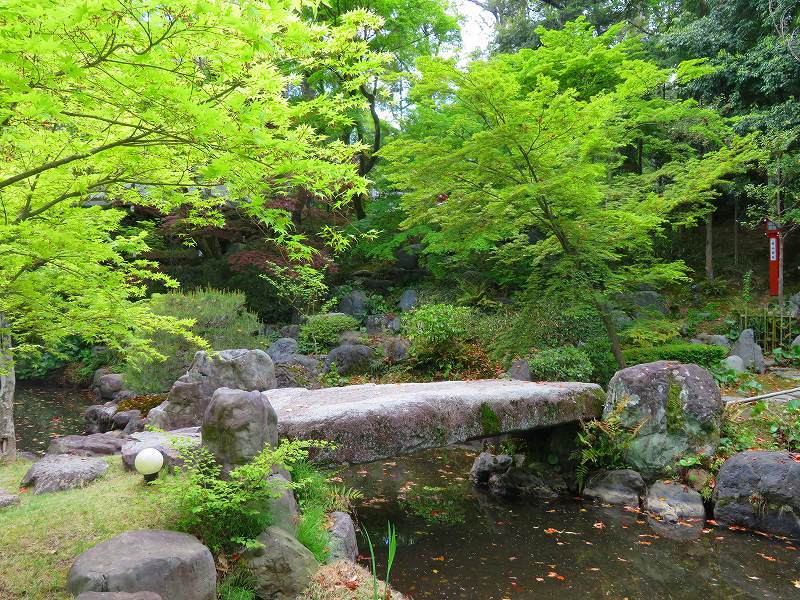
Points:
(42, 413)
(456, 542)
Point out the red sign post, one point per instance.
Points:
(772, 233)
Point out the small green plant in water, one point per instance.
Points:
(391, 540)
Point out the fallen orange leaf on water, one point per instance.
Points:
(551, 530)
(555, 575)
(765, 557)
(440, 558)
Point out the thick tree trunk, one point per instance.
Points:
(709, 248)
(8, 444)
(736, 231)
(781, 238)
(611, 330)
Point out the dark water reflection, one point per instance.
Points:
(42, 413)
(455, 542)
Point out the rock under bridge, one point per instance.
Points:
(370, 422)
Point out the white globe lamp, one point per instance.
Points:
(148, 463)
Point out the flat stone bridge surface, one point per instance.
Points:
(370, 422)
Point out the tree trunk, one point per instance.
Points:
(8, 443)
(709, 248)
(781, 238)
(611, 330)
(736, 231)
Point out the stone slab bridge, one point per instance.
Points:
(370, 422)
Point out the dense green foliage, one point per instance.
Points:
(320, 333)
(218, 318)
(699, 354)
(560, 364)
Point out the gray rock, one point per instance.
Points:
(646, 301)
(298, 370)
(535, 480)
(119, 596)
(350, 358)
(7, 499)
(678, 408)
(395, 349)
(408, 300)
(283, 509)
(382, 323)
(622, 487)
(674, 502)
(97, 375)
(343, 543)
(163, 441)
(520, 369)
(749, 351)
(282, 567)
(351, 337)
(56, 472)
(796, 341)
(368, 422)
(281, 348)
(124, 395)
(248, 370)
(620, 318)
(135, 425)
(237, 426)
(760, 490)
(122, 418)
(408, 258)
(109, 384)
(96, 444)
(486, 465)
(713, 340)
(174, 565)
(735, 363)
(290, 331)
(100, 417)
(354, 303)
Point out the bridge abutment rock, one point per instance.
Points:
(371, 422)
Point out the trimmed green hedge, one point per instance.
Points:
(699, 354)
(560, 364)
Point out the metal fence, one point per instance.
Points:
(771, 328)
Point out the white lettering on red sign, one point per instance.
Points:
(773, 249)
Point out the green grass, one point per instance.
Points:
(40, 538)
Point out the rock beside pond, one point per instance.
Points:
(237, 425)
(621, 487)
(248, 370)
(282, 567)
(7, 499)
(760, 490)
(100, 417)
(122, 418)
(174, 565)
(109, 384)
(96, 444)
(535, 480)
(163, 441)
(349, 358)
(673, 502)
(677, 407)
(56, 472)
(119, 596)
(486, 465)
(750, 352)
(343, 543)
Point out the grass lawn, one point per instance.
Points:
(40, 538)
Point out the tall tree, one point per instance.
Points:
(575, 141)
(111, 102)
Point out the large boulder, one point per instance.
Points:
(673, 502)
(486, 465)
(237, 426)
(109, 384)
(8, 499)
(163, 441)
(281, 566)
(381, 323)
(343, 543)
(750, 352)
(520, 369)
(283, 510)
(760, 490)
(734, 363)
(350, 358)
(622, 487)
(56, 472)
(395, 349)
(677, 408)
(96, 444)
(100, 418)
(534, 480)
(248, 370)
(174, 565)
(408, 300)
(297, 370)
(281, 348)
(119, 596)
(354, 303)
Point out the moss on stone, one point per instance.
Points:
(675, 416)
(490, 422)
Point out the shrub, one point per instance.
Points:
(226, 513)
(434, 328)
(320, 333)
(220, 318)
(699, 354)
(561, 364)
(604, 365)
(650, 332)
(312, 531)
